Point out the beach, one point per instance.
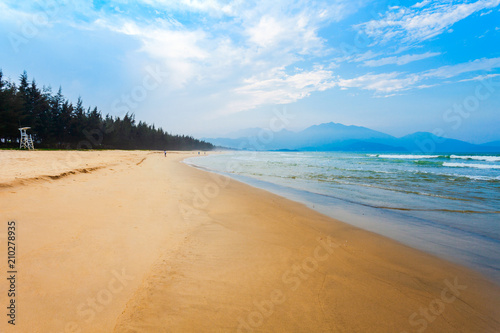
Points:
(132, 241)
(447, 205)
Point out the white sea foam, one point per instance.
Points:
(471, 165)
(408, 157)
(481, 177)
(477, 158)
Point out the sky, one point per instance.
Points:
(209, 68)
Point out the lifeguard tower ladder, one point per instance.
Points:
(26, 140)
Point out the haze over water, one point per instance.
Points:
(445, 204)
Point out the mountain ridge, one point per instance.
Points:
(338, 137)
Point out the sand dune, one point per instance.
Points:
(136, 242)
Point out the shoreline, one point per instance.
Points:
(158, 244)
(378, 220)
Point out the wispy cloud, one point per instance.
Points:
(244, 63)
(210, 7)
(484, 64)
(421, 4)
(381, 83)
(296, 34)
(218, 58)
(278, 87)
(400, 60)
(179, 50)
(388, 83)
(480, 77)
(421, 21)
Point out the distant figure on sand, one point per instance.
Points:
(165, 152)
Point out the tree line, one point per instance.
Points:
(58, 123)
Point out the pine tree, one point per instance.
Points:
(57, 123)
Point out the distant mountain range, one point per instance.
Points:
(338, 137)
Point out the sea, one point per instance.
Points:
(445, 204)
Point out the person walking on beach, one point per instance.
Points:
(165, 152)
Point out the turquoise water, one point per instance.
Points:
(448, 205)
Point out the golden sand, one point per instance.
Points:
(119, 241)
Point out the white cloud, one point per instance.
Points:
(401, 60)
(484, 64)
(417, 24)
(251, 66)
(266, 32)
(381, 83)
(355, 57)
(480, 77)
(180, 51)
(421, 4)
(386, 83)
(366, 56)
(295, 34)
(232, 44)
(332, 10)
(212, 7)
(278, 88)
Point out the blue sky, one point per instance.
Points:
(207, 68)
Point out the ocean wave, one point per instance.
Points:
(435, 163)
(362, 183)
(487, 158)
(479, 177)
(441, 210)
(408, 157)
(451, 176)
(467, 165)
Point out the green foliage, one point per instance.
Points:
(56, 123)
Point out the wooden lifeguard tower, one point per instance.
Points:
(26, 140)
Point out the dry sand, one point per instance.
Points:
(135, 242)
